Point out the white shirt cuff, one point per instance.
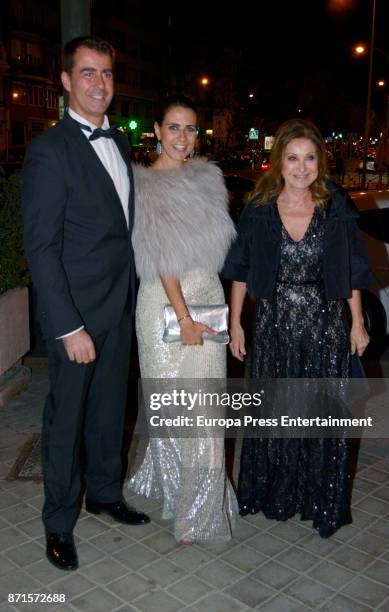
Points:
(70, 333)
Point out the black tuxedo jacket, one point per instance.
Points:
(77, 242)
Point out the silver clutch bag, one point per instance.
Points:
(215, 316)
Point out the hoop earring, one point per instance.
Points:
(158, 148)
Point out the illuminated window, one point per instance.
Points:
(52, 98)
(36, 96)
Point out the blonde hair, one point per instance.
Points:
(271, 183)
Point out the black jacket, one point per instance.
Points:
(76, 238)
(254, 258)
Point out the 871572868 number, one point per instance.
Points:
(36, 598)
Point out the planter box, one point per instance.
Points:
(14, 341)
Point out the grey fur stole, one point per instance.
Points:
(181, 220)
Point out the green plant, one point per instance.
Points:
(13, 266)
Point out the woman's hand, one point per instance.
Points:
(359, 339)
(237, 344)
(192, 331)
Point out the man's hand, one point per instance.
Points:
(79, 347)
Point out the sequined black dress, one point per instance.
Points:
(299, 334)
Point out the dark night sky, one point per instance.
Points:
(298, 54)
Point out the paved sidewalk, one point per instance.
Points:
(269, 566)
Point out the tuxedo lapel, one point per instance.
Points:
(122, 145)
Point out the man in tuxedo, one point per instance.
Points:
(78, 206)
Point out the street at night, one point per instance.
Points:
(194, 226)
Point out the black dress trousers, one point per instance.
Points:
(85, 402)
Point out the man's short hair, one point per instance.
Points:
(96, 44)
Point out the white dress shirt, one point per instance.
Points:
(110, 157)
(113, 162)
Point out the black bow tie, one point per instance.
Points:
(98, 132)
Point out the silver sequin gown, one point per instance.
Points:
(188, 475)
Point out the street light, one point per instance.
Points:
(360, 49)
(368, 103)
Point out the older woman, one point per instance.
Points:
(299, 253)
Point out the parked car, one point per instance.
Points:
(370, 164)
(373, 207)
(232, 161)
(264, 164)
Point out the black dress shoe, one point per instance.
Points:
(120, 511)
(61, 550)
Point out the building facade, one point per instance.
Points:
(30, 67)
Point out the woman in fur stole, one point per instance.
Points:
(181, 236)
